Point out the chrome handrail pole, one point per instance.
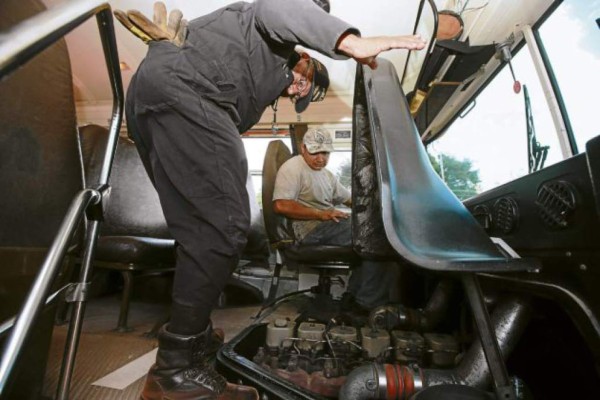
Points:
(18, 46)
(76, 323)
(30, 37)
(109, 44)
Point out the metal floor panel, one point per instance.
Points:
(103, 350)
(98, 355)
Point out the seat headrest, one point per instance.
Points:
(277, 154)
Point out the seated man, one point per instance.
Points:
(306, 193)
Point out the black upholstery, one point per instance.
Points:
(424, 221)
(278, 153)
(134, 238)
(133, 214)
(40, 174)
(133, 210)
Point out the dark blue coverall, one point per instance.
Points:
(186, 108)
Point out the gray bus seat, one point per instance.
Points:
(277, 153)
(323, 257)
(134, 238)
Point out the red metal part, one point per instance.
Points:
(400, 382)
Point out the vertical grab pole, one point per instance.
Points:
(109, 44)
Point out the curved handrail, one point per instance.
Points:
(17, 46)
(431, 44)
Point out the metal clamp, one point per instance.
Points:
(77, 292)
(95, 211)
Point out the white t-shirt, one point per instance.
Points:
(316, 189)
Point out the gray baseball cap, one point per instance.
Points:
(318, 140)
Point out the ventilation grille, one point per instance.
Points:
(483, 215)
(556, 203)
(506, 215)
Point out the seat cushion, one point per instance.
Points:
(135, 250)
(320, 254)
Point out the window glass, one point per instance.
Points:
(256, 147)
(340, 163)
(488, 146)
(572, 41)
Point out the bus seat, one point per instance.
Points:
(134, 238)
(323, 256)
(40, 174)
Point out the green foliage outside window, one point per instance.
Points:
(459, 175)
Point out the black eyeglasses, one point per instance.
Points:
(302, 83)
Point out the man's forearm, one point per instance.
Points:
(294, 210)
(365, 49)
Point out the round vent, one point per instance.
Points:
(506, 212)
(556, 203)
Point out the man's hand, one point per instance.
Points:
(365, 50)
(294, 210)
(332, 214)
(173, 30)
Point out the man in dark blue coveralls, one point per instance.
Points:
(187, 104)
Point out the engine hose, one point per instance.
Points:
(395, 382)
(398, 316)
(381, 381)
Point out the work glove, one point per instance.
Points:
(324, 4)
(174, 30)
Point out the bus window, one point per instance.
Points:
(571, 39)
(488, 146)
(340, 163)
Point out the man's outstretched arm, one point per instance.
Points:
(365, 49)
(294, 210)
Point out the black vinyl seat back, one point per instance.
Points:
(423, 221)
(134, 224)
(134, 238)
(133, 208)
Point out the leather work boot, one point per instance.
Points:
(217, 338)
(182, 370)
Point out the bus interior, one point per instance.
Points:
(474, 166)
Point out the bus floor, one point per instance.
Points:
(112, 365)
